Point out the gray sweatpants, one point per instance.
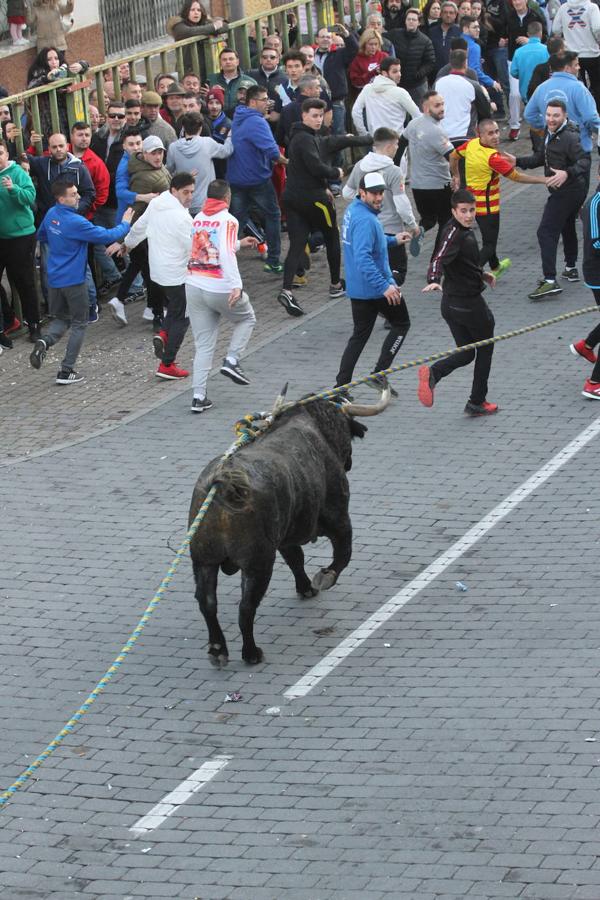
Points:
(69, 307)
(204, 310)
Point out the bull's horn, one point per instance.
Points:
(373, 409)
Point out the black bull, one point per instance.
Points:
(285, 489)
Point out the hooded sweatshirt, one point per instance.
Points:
(196, 153)
(212, 265)
(396, 213)
(385, 105)
(16, 205)
(46, 170)
(578, 21)
(366, 263)
(255, 149)
(167, 226)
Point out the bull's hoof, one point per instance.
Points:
(324, 579)
(253, 657)
(218, 655)
(309, 592)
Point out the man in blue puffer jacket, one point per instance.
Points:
(369, 280)
(249, 171)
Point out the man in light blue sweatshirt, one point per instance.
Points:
(564, 84)
(527, 57)
(370, 283)
(68, 234)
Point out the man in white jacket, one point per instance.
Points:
(213, 288)
(167, 226)
(396, 212)
(578, 21)
(382, 103)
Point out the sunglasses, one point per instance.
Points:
(116, 115)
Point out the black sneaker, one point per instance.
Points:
(68, 376)
(38, 354)
(159, 341)
(157, 324)
(201, 405)
(5, 342)
(286, 298)
(233, 371)
(380, 383)
(135, 296)
(335, 292)
(343, 397)
(570, 274)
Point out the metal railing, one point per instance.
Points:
(142, 20)
(71, 93)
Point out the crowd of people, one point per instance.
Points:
(153, 200)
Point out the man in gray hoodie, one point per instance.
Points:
(194, 154)
(396, 212)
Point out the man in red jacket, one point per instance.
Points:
(81, 138)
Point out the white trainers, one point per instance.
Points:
(148, 315)
(117, 311)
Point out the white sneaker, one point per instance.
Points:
(148, 315)
(117, 311)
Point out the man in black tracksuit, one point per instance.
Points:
(568, 169)
(464, 309)
(307, 200)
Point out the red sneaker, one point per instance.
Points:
(481, 409)
(426, 386)
(581, 349)
(591, 390)
(159, 342)
(14, 326)
(513, 134)
(171, 372)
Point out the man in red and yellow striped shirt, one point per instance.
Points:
(479, 164)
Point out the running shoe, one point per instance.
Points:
(171, 372)
(545, 289)
(68, 376)
(117, 311)
(481, 409)
(201, 404)
(582, 349)
(570, 274)
(502, 267)
(426, 386)
(233, 371)
(38, 354)
(513, 134)
(591, 390)
(416, 241)
(273, 268)
(286, 298)
(159, 342)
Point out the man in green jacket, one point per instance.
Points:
(17, 245)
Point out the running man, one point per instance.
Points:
(479, 164)
(590, 216)
(466, 313)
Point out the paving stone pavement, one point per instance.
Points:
(452, 754)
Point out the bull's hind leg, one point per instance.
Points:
(254, 587)
(294, 557)
(206, 595)
(340, 535)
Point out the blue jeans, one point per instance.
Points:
(91, 287)
(338, 126)
(263, 198)
(497, 66)
(106, 218)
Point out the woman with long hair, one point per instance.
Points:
(430, 15)
(45, 69)
(193, 21)
(365, 65)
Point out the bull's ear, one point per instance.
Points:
(357, 429)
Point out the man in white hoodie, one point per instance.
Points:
(167, 226)
(213, 288)
(195, 154)
(382, 103)
(578, 21)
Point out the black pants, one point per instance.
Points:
(558, 220)
(590, 66)
(156, 297)
(434, 208)
(398, 262)
(364, 316)
(489, 227)
(17, 256)
(593, 339)
(176, 323)
(469, 319)
(304, 217)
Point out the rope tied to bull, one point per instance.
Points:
(247, 430)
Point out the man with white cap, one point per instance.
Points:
(370, 283)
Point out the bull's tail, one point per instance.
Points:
(234, 490)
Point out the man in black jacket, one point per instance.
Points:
(465, 311)
(333, 65)
(415, 52)
(568, 169)
(307, 198)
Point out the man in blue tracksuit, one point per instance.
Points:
(564, 85)
(249, 171)
(369, 280)
(68, 234)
